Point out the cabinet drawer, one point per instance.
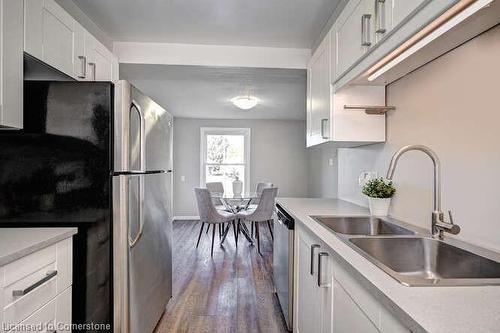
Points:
(32, 281)
(55, 316)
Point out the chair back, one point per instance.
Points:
(265, 208)
(261, 186)
(216, 187)
(206, 208)
(258, 191)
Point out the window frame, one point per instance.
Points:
(204, 131)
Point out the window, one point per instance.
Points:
(225, 156)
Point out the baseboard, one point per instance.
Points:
(185, 218)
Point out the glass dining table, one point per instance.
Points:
(235, 204)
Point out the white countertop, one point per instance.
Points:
(434, 309)
(19, 242)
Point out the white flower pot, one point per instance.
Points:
(379, 206)
(237, 188)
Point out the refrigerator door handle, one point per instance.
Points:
(142, 134)
(132, 242)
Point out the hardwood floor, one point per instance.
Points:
(231, 292)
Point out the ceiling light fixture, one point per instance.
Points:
(245, 102)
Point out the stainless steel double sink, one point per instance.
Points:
(410, 258)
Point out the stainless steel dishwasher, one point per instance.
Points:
(283, 262)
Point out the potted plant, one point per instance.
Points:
(379, 192)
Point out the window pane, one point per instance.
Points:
(225, 149)
(225, 174)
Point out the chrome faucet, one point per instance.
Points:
(439, 225)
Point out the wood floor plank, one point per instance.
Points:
(231, 292)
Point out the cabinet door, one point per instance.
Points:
(100, 60)
(11, 61)
(401, 9)
(308, 303)
(80, 71)
(58, 36)
(347, 316)
(319, 90)
(352, 40)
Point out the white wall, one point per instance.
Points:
(277, 155)
(322, 171)
(453, 106)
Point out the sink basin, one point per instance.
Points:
(361, 225)
(425, 261)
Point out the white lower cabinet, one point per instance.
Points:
(330, 299)
(347, 316)
(309, 305)
(36, 290)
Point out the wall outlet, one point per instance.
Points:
(183, 179)
(366, 176)
(330, 161)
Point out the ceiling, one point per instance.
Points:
(270, 23)
(205, 92)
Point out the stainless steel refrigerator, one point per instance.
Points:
(142, 202)
(97, 156)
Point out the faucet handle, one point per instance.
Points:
(454, 229)
(451, 216)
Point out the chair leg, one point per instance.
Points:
(220, 231)
(213, 238)
(199, 236)
(251, 226)
(208, 229)
(258, 236)
(270, 229)
(235, 233)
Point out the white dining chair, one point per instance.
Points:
(210, 215)
(253, 204)
(262, 213)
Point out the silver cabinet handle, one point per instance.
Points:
(83, 60)
(21, 292)
(314, 246)
(365, 30)
(320, 255)
(323, 123)
(380, 16)
(93, 70)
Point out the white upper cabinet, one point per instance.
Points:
(99, 60)
(401, 9)
(50, 32)
(318, 124)
(11, 64)
(354, 33)
(327, 119)
(56, 38)
(80, 56)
